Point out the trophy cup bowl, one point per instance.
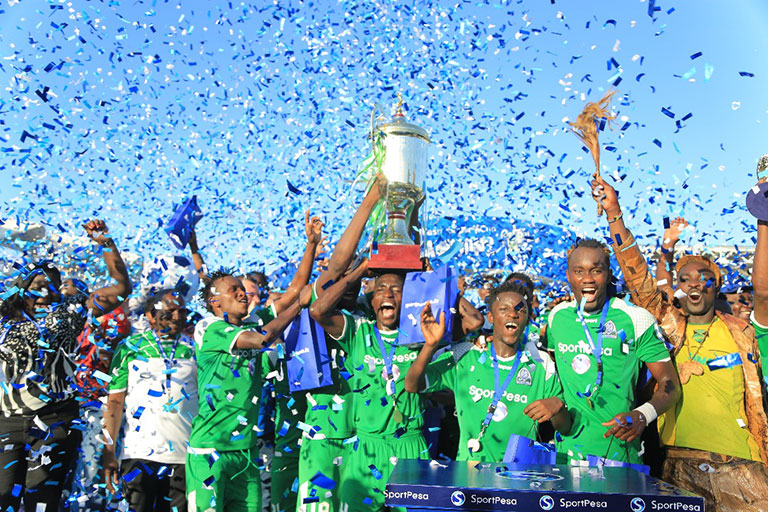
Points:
(405, 167)
(757, 197)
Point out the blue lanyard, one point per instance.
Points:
(387, 356)
(499, 390)
(597, 348)
(169, 361)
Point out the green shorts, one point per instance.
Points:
(230, 482)
(327, 456)
(284, 471)
(363, 485)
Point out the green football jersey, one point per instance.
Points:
(630, 338)
(289, 408)
(467, 370)
(229, 385)
(376, 411)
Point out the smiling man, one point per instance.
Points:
(222, 460)
(154, 378)
(600, 343)
(715, 436)
(388, 419)
(502, 390)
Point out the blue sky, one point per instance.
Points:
(149, 102)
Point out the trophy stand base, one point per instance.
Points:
(396, 257)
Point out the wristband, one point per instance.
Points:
(620, 215)
(108, 243)
(648, 411)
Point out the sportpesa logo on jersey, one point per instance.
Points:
(457, 498)
(478, 393)
(637, 505)
(581, 347)
(400, 358)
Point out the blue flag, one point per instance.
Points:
(180, 225)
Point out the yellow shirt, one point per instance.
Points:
(710, 415)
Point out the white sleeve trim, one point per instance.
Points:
(113, 391)
(234, 341)
(343, 331)
(752, 319)
(426, 383)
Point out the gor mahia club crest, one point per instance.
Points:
(524, 377)
(609, 331)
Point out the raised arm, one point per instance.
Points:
(760, 274)
(314, 229)
(347, 244)
(471, 318)
(640, 282)
(666, 263)
(433, 332)
(271, 332)
(106, 299)
(414, 225)
(324, 311)
(197, 258)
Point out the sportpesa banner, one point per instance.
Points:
(421, 486)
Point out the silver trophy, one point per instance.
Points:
(405, 167)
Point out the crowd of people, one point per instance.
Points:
(196, 411)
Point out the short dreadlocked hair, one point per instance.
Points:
(523, 279)
(206, 292)
(508, 287)
(591, 243)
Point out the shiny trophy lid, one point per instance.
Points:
(757, 197)
(405, 150)
(399, 126)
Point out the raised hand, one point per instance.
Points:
(379, 188)
(322, 249)
(605, 195)
(432, 330)
(97, 230)
(672, 233)
(313, 228)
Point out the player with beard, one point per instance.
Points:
(493, 394)
(719, 424)
(600, 343)
(329, 410)
(388, 419)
